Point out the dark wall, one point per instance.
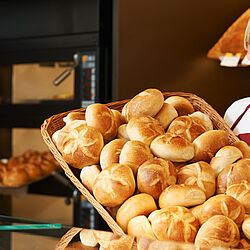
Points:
(163, 44)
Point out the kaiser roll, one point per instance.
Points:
(199, 174)
(114, 185)
(148, 102)
(243, 147)
(174, 223)
(196, 211)
(172, 147)
(246, 227)
(139, 204)
(203, 119)
(155, 175)
(181, 195)
(218, 231)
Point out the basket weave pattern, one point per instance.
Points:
(56, 122)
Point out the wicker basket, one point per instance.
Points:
(55, 123)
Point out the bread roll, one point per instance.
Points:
(232, 174)
(15, 177)
(88, 176)
(208, 143)
(122, 132)
(140, 204)
(222, 205)
(102, 118)
(181, 104)
(218, 231)
(224, 157)
(148, 102)
(246, 227)
(134, 153)
(139, 226)
(187, 127)
(172, 147)
(80, 144)
(202, 118)
(243, 147)
(74, 115)
(166, 115)
(119, 119)
(181, 195)
(111, 152)
(241, 192)
(174, 223)
(199, 174)
(196, 211)
(114, 185)
(155, 175)
(144, 129)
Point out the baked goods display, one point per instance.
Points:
(24, 169)
(166, 167)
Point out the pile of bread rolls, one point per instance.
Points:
(163, 168)
(32, 165)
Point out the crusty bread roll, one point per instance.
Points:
(111, 152)
(134, 153)
(140, 226)
(243, 147)
(166, 115)
(203, 119)
(80, 144)
(241, 192)
(174, 223)
(172, 147)
(181, 195)
(122, 133)
(181, 104)
(246, 227)
(88, 176)
(218, 231)
(148, 102)
(187, 127)
(102, 118)
(196, 211)
(232, 174)
(155, 175)
(74, 115)
(199, 174)
(114, 185)
(119, 119)
(208, 143)
(15, 177)
(144, 129)
(222, 205)
(139, 204)
(224, 157)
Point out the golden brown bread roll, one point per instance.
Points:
(232, 174)
(174, 223)
(181, 195)
(139, 204)
(119, 119)
(148, 102)
(172, 147)
(74, 115)
(243, 147)
(102, 118)
(122, 132)
(166, 115)
(80, 144)
(114, 185)
(218, 231)
(187, 127)
(196, 211)
(111, 152)
(208, 143)
(222, 205)
(144, 129)
(181, 104)
(15, 177)
(88, 176)
(246, 227)
(140, 226)
(224, 157)
(241, 192)
(155, 175)
(199, 174)
(134, 153)
(203, 119)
